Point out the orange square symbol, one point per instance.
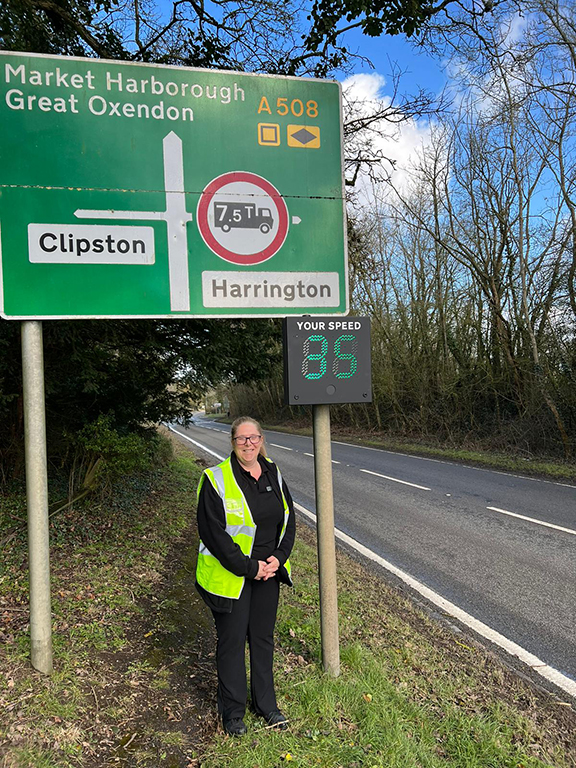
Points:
(269, 134)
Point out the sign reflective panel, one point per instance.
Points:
(327, 360)
(139, 190)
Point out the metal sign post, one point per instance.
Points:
(37, 493)
(326, 541)
(326, 360)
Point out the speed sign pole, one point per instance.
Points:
(326, 542)
(326, 360)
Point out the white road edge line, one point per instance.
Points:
(309, 454)
(533, 520)
(539, 666)
(199, 445)
(281, 446)
(395, 480)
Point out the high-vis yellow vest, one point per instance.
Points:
(210, 573)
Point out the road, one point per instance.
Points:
(459, 530)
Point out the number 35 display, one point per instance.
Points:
(327, 360)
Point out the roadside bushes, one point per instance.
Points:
(104, 454)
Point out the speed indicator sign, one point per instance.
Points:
(327, 360)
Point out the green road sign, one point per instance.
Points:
(133, 190)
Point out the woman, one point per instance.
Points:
(247, 526)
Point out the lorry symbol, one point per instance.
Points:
(229, 216)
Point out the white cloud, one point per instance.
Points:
(398, 141)
(367, 87)
(513, 31)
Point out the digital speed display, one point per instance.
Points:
(327, 360)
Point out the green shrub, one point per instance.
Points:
(109, 455)
(163, 451)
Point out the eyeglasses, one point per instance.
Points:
(242, 440)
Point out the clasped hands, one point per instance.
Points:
(268, 568)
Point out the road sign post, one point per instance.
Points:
(37, 496)
(326, 360)
(326, 542)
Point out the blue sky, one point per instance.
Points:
(421, 70)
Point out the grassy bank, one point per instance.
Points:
(111, 700)
(134, 682)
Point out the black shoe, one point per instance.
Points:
(277, 719)
(235, 726)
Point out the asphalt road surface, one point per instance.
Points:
(462, 531)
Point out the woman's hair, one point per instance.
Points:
(247, 420)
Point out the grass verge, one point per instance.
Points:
(111, 700)
(134, 682)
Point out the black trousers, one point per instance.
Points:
(253, 617)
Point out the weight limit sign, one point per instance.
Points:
(242, 218)
(327, 360)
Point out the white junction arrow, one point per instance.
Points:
(176, 217)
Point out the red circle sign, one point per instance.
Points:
(242, 218)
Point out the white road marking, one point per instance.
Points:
(536, 664)
(533, 520)
(333, 460)
(395, 480)
(455, 464)
(281, 446)
(524, 477)
(199, 445)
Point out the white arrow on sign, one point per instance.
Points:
(176, 217)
